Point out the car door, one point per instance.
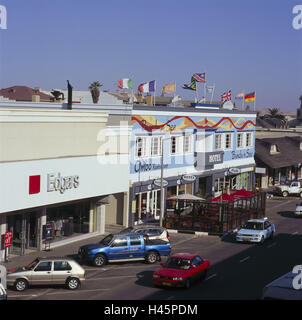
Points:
(42, 273)
(136, 247)
(198, 266)
(268, 229)
(294, 187)
(61, 271)
(119, 249)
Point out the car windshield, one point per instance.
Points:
(107, 240)
(32, 264)
(178, 263)
(127, 230)
(253, 226)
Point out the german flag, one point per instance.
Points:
(250, 97)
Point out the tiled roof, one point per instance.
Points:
(23, 93)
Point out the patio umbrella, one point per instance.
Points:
(224, 198)
(186, 196)
(242, 193)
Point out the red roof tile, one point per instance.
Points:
(23, 93)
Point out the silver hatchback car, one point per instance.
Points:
(47, 271)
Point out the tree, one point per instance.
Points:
(274, 113)
(94, 90)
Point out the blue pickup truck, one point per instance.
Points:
(124, 247)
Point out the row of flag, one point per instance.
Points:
(170, 88)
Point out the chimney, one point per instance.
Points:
(69, 103)
(35, 98)
(149, 100)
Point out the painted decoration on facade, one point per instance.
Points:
(150, 123)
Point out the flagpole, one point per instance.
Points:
(174, 91)
(255, 102)
(213, 93)
(196, 91)
(242, 101)
(204, 91)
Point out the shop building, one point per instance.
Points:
(206, 150)
(58, 168)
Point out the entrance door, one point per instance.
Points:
(31, 236)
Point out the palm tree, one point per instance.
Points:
(94, 90)
(274, 113)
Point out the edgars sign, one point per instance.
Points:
(55, 183)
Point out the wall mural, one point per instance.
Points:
(150, 123)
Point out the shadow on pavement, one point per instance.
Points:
(287, 214)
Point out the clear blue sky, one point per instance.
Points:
(249, 45)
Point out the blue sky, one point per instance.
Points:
(241, 45)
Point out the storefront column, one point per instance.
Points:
(148, 203)
(126, 210)
(41, 217)
(91, 216)
(100, 217)
(3, 228)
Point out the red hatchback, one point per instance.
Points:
(180, 270)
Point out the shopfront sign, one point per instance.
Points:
(8, 239)
(188, 177)
(142, 166)
(260, 170)
(56, 182)
(157, 182)
(234, 171)
(242, 154)
(207, 160)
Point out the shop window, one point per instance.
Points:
(248, 139)
(228, 141)
(240, 140)
(218, 139)
(176, 144)
(156, 146)
(140, 147)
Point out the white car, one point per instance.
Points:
(298, 212)
(256, 230)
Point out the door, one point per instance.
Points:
(268, 229)
(119, 249)
(61, 271)
(198, 269)
(42, 274)
(136, 248)
(294, 187)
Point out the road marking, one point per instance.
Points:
(182, 241)
(245, 259)
(294, 233)
(210, 277)
(24, 295)
(77, 291)
(113, 277)
(93, 269)
(272, 245)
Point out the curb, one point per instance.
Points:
(197, 233)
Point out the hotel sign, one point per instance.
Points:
(207, 160)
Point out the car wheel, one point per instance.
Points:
(99, 260)
(300, 194)
(21, 285)
(203, 275)
(188, 284)
(262, 240)
(73, 283)
(285, 194)
(151, 257)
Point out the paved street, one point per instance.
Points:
(238, 271)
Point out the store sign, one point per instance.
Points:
(234, 171)
(59, 183)
(208, 159)
(242, 154)
(157, 182)
(188, 177)
(142, 166)
(8, 239)
(260, 170)
(215, 158)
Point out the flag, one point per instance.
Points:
(125, 84)
(199, 77)
(191, 86)
(147, 87)
(226, 96)
(250, 97)
(210, 89)
(240, 95)
(168, 88)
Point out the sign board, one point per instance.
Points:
(47, 232)
(234, 171)
(189, 177)
(260, 170)
(8, 239)
(157, 182)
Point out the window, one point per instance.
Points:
(240, 140)
(156, 146)
(228, 141)
(218, 145)
(135, 241)
(44, 266)
(197, 261)
(122, 242)
(140, 147)
(61, 266)
(187, 143)
(176, 142)
(248, 139)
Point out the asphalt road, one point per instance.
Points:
(238, 271)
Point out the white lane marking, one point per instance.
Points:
(182, 241)
(77, 291)
(294, 233)
(93, 269)
(245, 259)
(272, 245)
(113, 277)
(210, 277)
(24, 295)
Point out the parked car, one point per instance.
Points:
(294, 188)
(298, 211)
(181, 270)
(124, 247)
(47, 271)
(3, 295)
(151, 231)
(256, 230)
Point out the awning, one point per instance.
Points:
(186, 196)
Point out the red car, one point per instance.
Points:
(180, 270)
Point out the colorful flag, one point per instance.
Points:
(250, 97)
(226, 96)
(210, 89)
(199, 77)
(191, 86)
(125, 84)
(240, 95)
(147, 87)
(169, 88)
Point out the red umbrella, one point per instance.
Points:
(224, 198)
(242, 193)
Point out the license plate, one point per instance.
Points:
(167, 284)
(247, 239)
